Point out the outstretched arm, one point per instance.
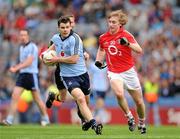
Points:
(134, 46)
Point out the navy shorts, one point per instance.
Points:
(100, 94)
(81, 81)
(58, 80)
(28, 81)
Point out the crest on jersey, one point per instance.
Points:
(105, 43)
(62, 53)
(112, 42)
(69, 83)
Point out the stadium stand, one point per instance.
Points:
(154, 23)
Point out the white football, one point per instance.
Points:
(48, 55)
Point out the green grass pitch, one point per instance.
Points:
(74, 132)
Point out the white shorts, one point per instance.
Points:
(129, 79)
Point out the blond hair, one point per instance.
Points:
(123, 18)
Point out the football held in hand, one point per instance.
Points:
(49, 55)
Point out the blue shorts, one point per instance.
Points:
(81, 81)
(28, 81)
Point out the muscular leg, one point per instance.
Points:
(42, 108)
(117, 86)
(138, 99)
(79, 112)
(17, 91)
(85, 111)
(39, 102)
(61, 96)
(81, 101)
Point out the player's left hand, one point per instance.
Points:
(124, 41)
(41, 56)
(13, 69)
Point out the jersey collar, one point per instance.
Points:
(120, 31)
(67, 36)
(26, 44)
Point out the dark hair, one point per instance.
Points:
(63, 19)
(25, 29)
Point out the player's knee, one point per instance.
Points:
(139, 103)
(15, 96)
(81, 100)
(120, 96)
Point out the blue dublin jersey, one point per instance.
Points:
(72, 45)
(29, 49)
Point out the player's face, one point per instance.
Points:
(24, 37)
(72, 21)
(65, 29)
(113, 24)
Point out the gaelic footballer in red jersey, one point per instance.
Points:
(116, 46)
(119, 57)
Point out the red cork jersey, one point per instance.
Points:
(118, 57)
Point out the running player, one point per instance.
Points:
(69, 48)
(62, 90)
(116, 45)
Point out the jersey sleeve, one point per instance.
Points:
(130, 37)
(75, 45)
(31, 50)
(52, 40)
(100, 42)
(50, 43)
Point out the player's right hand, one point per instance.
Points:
(41, 57)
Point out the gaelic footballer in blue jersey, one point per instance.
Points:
(69, 48)
(27, 79)
(61, 96)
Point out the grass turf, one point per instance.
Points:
(74, 132)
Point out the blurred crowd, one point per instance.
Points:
(154, 23)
